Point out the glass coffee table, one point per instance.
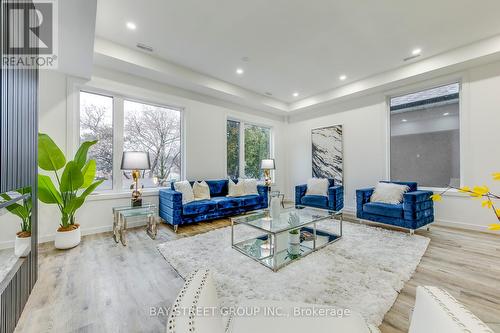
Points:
(281, 240)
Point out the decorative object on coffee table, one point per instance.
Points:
(136, 161)
(275, 205)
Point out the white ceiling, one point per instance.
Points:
(296, 45)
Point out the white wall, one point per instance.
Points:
(366, 143)
(204, 134)
(365, 121)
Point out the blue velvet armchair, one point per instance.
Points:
(334, 201)
(416, 210)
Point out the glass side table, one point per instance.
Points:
(123, 213)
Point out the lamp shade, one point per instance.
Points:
(268, 164)
(135, 160)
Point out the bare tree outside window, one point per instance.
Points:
(156, 130)
(96, 123)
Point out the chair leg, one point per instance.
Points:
(412, 232)
(175, 228)
(428, 228)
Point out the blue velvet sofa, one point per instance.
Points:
(172, 210)
(334, 201)
(416, 210)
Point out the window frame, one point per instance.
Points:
(461, 79)
(242, 161)
(74, 87)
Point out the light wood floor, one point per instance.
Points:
(101, 286)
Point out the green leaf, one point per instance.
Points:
(47, 192)
(50, 157)
(81, 154)
(72, 178)
(88, 173)
(79, 201)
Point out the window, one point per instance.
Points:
(233, 149)
(156, 130)
(255, 141)
(96, 123)
(425, 137)
(125, 125)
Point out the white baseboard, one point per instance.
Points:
(465, 226)
(90, 231)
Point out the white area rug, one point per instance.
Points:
(364, 271)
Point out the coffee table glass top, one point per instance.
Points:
(129, 211)
(289, 218)
(292, 235)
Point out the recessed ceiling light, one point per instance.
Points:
(342, 77)
(404, 120)
(240, 71)
(416, 51)
(131, 26)
(295, 94)
(446, 114)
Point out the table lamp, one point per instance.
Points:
(136, 161)
(267, 165)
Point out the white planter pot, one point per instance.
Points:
(294, 243)
(67, 239)
(22, 246)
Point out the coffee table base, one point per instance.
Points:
(275, 252)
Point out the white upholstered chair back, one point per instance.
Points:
(436, 311)
(196, 308)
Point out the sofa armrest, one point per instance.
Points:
(170, 206)
(336, 197)
(263, 192)
(363, 196)
(300, 191)
(417, 196)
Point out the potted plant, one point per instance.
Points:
(22, 245)
(74, 184)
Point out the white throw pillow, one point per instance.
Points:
(201, 190)
(317, 186)
(187, 191)
(236, 190)
(249, 185)
(389, 193)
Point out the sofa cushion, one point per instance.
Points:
(317, 186)
(315, 200)
(199, 207)
(251, 200)
(389, 193)
(384, 209)
(228, 202)
(218, 188)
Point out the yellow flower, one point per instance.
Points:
(495, 226)
(496, 175)
(479, 191)
(464, 189)
(436, 197)
(497, 211)
(487, 203)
